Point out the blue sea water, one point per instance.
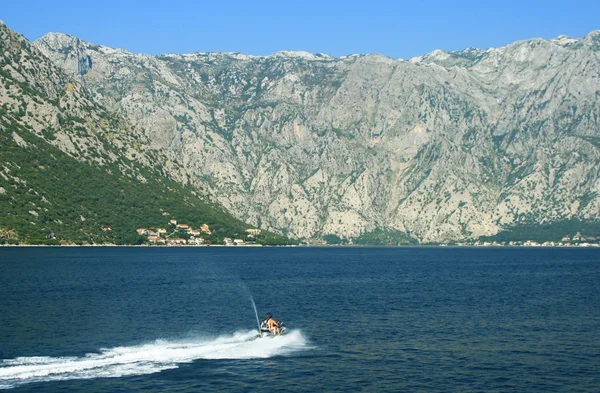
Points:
(360, 319)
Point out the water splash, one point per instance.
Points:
(147, 358)
(255, 313)
(247, 290)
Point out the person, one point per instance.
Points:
(273, 325)
(264, 325)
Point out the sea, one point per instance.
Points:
(420, 319)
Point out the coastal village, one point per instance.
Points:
(183, 234)
(567, 241)
(174, 234)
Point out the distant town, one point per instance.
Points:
(567, 241)
(183, 234)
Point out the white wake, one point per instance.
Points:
(147, 358)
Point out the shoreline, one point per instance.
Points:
(583, 245)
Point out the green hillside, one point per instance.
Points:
(48, 197)
(554, 231)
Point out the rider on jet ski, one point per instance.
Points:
(269, 324)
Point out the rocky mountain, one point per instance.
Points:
(73, 172)
(447, 146)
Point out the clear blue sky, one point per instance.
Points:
(393, 28)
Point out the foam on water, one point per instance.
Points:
(147, 358)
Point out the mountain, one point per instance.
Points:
(444, 147)
(70, 169)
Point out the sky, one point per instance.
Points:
(397, 29)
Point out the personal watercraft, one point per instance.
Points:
(265, 332)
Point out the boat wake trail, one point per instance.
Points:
(147, 358)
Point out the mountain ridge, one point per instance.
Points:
(560, 39)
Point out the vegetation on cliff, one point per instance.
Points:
(48, 197)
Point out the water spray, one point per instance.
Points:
(255, 313)
(245, 286)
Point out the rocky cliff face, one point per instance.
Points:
(37, 96)
(448, 146)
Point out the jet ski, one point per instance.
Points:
(265, 332)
